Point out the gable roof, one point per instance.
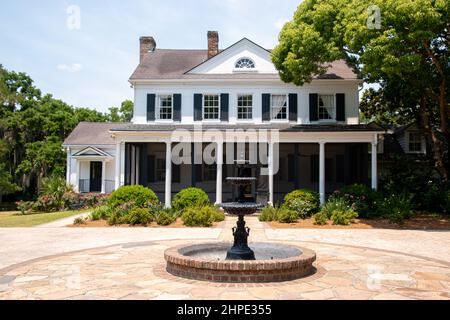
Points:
(164, 64)
(92, 134)
(91, 151)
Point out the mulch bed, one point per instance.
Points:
(418, 222)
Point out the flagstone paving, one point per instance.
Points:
(380, 264)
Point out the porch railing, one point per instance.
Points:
(84, 186)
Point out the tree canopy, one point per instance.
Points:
(401, 44)
(32, 129)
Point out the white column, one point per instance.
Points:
(322, 172)
(69, 158)
(219, 163)
(270, 177)
(103, 176)
(78, 176)
(122, 164)
(168, 195)
(374, 166)
(117, 169)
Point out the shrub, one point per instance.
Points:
(165, 217)
(119, 214)
(285, 215)
(80, 220)
(320, 218)
(25, 207)
(45, 203)
(55, 186)
(139, 216)
(201, 216)
(190, 197)
(343, 217)
(362, 199)
(140, 195)
(100, 213)
(334, 203)
(72, 200)
(396, 208)
(304, 202)
(268, 213)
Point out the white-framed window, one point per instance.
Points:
(245, 63)
(245, 107)
(326, 107)
(164, 107)
(278, 106)
(211, 107)
(415, 142)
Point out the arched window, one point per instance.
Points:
(244, 63)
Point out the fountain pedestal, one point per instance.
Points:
(240, 249)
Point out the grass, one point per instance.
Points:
(15, 219)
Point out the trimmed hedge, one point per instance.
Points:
(190, 197)
(140, 196)
(303, 201)
(202, 216)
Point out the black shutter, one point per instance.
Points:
(177, 107)
(198, 173)
(151, 107)
(176, 174)
(314, 167)
(224, 106)
(313, 107)
(266, 106)
(151, 170)
(291, 168)
(198, 107)
(293, 107)
(340, 106)
(340, 169)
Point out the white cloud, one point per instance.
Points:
(280, 23)
(74, 67)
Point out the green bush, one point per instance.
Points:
(285, 215)
(343, 217)
(320, 218)
(201, 216)
(190, 197)
(165, 216)
(396, 208)
(139, 195)
(119, 214)
(139, 216)
(362, 198)
(334, 203)
(79, 220)
(100, 213)
(304, 202)
(268, 214)
(55, 186)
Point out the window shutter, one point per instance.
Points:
(198, 107)
(266, 106)
(313, 106)
(177, 107)
(151, 168)
(176, 174)
(340, 106)
(198, 173)
(314, 167)
(293, 107)
(224, 106)
(151, 107)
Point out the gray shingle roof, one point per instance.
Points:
(92, 133)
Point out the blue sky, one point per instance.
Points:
(90, 66)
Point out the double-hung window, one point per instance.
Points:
(414, 142)
(245, 107)
(211, 109)
(164, 107)
(278, 106)
(326, 107)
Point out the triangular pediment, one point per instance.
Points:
(225, 61)
(92, 151)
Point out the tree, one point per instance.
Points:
(6, 184)
(122, 114)
(408, 55)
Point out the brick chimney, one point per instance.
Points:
(213, 43)
(146, 44)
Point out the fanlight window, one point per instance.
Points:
(245, 63)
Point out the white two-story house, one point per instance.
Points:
(303, 136)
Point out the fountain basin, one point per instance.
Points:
(243, 208)
(206, 261)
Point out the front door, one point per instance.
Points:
(95, 177)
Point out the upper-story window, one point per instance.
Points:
(326, 107)
(211, 107)
(414, 141)
(164, 107)
(245, 63)
(245, 106)
(278, 106)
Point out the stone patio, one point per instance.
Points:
(128, 263)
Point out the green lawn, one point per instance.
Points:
(15, 219)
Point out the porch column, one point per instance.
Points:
(122, 164)
(219, 163)
(168, 189)
(103, 177)
(69, 158)
(374, 166)
(117, 169)
(78, 176)
(322, 172)
(270, 177)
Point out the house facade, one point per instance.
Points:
(199, 113)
